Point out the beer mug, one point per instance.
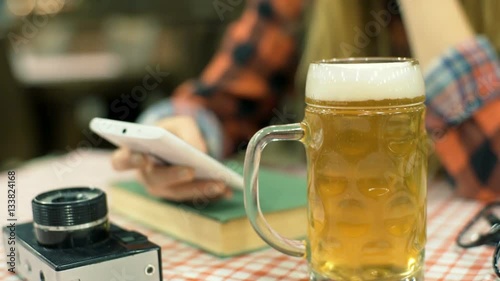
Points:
(365, 142)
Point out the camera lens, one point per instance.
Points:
(70, 217)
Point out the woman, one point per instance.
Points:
(254, 69)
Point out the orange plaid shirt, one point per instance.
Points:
(251, 72)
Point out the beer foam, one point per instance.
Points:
(364, 81)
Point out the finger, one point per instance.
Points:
(196, 192)
(124, 159)
(158, 177)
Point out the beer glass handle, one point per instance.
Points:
(251, 182)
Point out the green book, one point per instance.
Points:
(221, 227)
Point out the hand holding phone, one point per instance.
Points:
(191, 174)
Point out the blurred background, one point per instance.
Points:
(63, 62)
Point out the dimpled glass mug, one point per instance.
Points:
(365, 142)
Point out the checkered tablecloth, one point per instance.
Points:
(444, 260)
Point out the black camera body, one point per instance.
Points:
(71, 239)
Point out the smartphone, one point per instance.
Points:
(166, 147)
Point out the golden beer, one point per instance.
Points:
(366, 188)
(365, 141)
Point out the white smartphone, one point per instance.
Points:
(165, 146)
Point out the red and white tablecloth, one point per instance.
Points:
(444, 260)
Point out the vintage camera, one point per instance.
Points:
(71, 239)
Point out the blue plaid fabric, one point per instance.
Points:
(463, 116)
(462, 80)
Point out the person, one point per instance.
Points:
(463, 95)
(255, 66)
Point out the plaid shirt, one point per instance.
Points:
(463, 116)
(254, 69)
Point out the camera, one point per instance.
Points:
(71, 239)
